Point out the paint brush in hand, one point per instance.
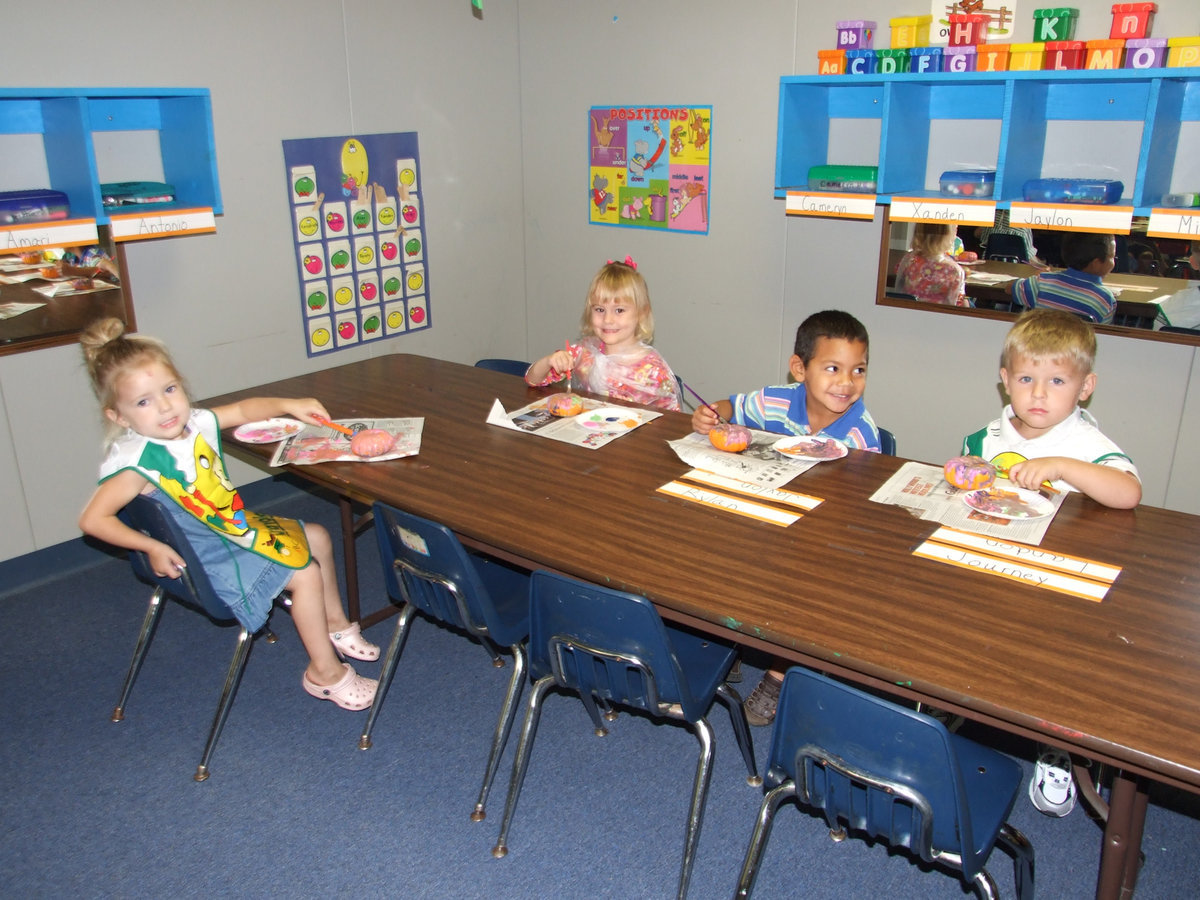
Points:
(702, 400)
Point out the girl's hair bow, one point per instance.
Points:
(628, 261)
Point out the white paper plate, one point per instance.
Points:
(811, 447)
(608, 419)
(267, 431)
(1009, 502)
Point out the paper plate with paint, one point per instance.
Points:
(1009, 503)
(810, 447)
(608, 419)
(267, 431)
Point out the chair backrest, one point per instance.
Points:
(842, 746)
(887, 442)
(433, 571)
(192, 587)
(605, 642)
(1006, 247)
(508, 366)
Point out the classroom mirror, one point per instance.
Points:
(1155, 280)
(49, 296)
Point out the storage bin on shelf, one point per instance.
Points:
(1072, 190)
(968, 183)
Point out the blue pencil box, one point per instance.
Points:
(19, 207)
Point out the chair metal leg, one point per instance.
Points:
(762, 831)
(741, 731)
(508, 712)
(533, 713)
(1021, 850)
(149, 622)
(589, 703)
(232, 678)
(704, 734)
(985, 885)
(386, 673)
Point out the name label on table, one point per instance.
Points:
(738, 506)
(1021, 562)
(839, 205)
(960, 212)
(1073, 217)
(760, 491)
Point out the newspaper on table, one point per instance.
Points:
(758, 464)
(600, 423)
(923, 490)
(317, 444)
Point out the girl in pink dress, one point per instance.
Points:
(927, 271)
(613, 356)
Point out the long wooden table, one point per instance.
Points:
(1116, 681)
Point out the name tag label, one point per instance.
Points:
(838, 205)
(961, 212)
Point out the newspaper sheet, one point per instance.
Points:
(600, 423)
(758, 464)
(923, 490)
(314, 444)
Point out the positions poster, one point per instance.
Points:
(648, 166)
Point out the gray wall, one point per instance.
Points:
(498, 103)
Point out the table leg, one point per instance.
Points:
(350, 553)
(1122, 838)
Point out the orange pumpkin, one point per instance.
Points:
(372, 442)
(564, 404)
(970, 473)
(733, 438)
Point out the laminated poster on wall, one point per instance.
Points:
(649, 167)
(360, 241)
(1001, 18)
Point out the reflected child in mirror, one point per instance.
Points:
(927, 271)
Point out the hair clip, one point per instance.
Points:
(628, 261)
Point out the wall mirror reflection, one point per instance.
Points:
(48, 296)
(1155, 281)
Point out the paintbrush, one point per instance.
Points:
(702, 400)
(335, 426)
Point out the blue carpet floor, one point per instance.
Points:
(89, 808)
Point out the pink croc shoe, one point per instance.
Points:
(351, 692)
(350, 642)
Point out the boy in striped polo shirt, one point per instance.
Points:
(1077, 289)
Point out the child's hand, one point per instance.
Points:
(703, 419)
(165, 562)
(307, 409)
(561, 362)
(1031, 473)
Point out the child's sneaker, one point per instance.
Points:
(1052, 788)
(760, 705)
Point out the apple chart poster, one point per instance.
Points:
(358, 227)
(649, 167)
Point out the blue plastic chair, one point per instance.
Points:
(427, 570)
(611, 647)
(191, 589)
(887, 442)
(893, 773)
(508, 366)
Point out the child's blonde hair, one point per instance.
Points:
(933, 239)
(109, 353)
(1051, 334)
(620, 281)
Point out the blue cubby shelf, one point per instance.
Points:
(68, 118)
(910, 111)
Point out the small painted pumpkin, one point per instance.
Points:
(564, 404)
(733, 438)
(971, 473)
(372, 442)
